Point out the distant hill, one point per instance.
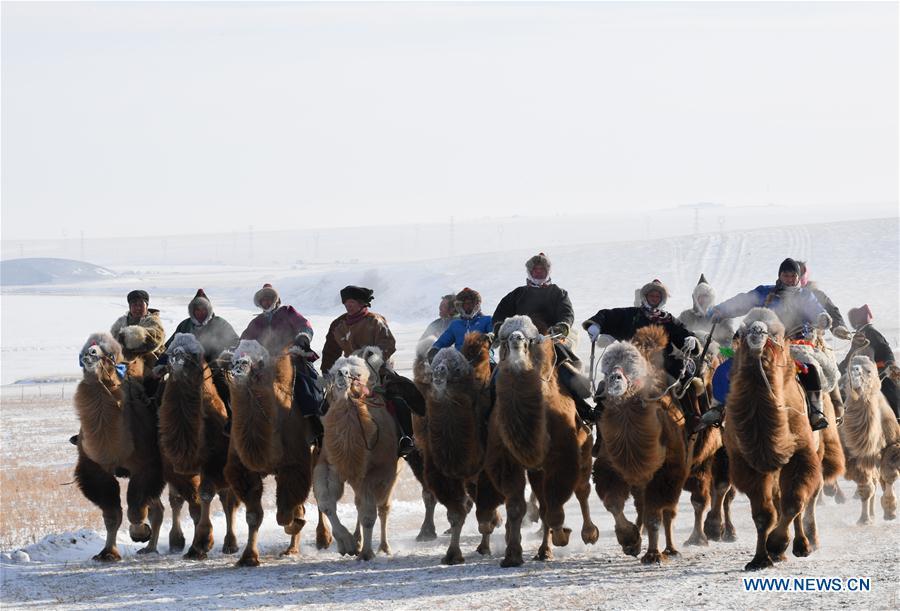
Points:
(19, 272)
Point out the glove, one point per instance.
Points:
(691, 345)
(823, 321)
(604, 340)
(301, 346)
(859, 341)
(593, 331)
(714, 315)
(841, 332)
(432, 352)
(559, 328)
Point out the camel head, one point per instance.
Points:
(185, 354)
(761, 327)
(100, 354)
(350, 377)
(863, 376)
(625, 370)
(449, 367)
(421, 366)
(248, 361)
(518, 335)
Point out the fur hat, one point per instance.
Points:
(266, 291)
(359, 293)
(804, 273)
(200, 300)
(703, 288)
(538, 259)
(655, 285)
(861, 316)
(464, 295)
(139, 295)
(789, 265)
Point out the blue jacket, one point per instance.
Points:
(456, 332)
(797, 308)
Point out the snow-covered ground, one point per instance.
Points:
(43, 328)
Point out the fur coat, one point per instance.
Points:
(139, 336)
(344, 338)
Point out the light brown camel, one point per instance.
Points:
(772, 454)
(267, 437)
(534, 429)
(193, 442)
(871, 439)
(645, 452)
(359, 448)
(457, 393)
(118, 437)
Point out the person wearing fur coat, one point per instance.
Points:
(140, 330)
(446, 315)
(838, 326)
(278, 326)
(868, 341)
(695, 320)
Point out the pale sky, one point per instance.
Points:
(122, 119)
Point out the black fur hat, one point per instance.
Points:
(359, 293)
(789, 265)
(139, 295)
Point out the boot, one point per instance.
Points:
(714, 415)
(692, 420)
(585, 411)
(316, 431)
(73, 440)
(817, 419)
(405, 446)
(838, 403)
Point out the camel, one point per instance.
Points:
(645, 452)
(871, 439)
(773, 456)
(360, 448)
(457, 394)
(193, 444)
(534, 432)
(267, 437)
(118, 437)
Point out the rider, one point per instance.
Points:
(468, 306)
(868, 341)
(358, 328)
(798, 310)
(695, 320)
(550, 309)
(622, 323)
(446, 315)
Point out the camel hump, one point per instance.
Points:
(476, 347)
(650, 339)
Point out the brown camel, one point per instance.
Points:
(359, 448)
(644, 451)
(533, 431)
(118, 437)
(871, 439)
(457, 395)
(267, 437)
(772, 453)
(193, 443)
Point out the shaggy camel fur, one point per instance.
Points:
(359, 448)
(118, 436)
(644, 450)
(534, 429)
(193, 443)
(871, 439)
(267, 438)
(457, 399)
(771, 449)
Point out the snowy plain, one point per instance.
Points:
(43, 327)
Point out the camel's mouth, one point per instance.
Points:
(440, 375)
(616, 383)
(857, 377)
(756, 337)
(241, 368)
(91, 358)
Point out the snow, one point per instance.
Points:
(43, 327)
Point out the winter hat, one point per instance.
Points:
(200, 300)
(139, 295)
(861, 316)
(359, 293)
(538, 259)
(804, 273)
(789, 265)
(468, 294)
(655, 285)
(266, 291)
(703, 288)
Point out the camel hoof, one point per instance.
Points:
(484, 549)
(248, 560)
(590, 535)
(453, 557)
(730, 535)
(801, 548)
(449, 531)
(776, 545)
(426, 534)
(291, 551)
(839, 498)
(544, 554)
(176, 543)
(323, 539)
(713, 530)
(697, 539)
(560, 536)
(758, 563)
(108, 555)
(670, 552)
(629, 539)
(864, 521)
(148, 550)
(652, 558)
(294, 527)
(890, 516)
(140, 533)
(511, 561)
(230, 546)
(366, 555)
(195, 554)
(385, 548)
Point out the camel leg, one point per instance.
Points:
(427, 532)
(613, 491)
(534, 511)
(759, 488)
(383, 510)
(143, 489)
(799, 481)
(102, 489)
(323, 532)
(699, 486)
(509, 478)
(729, 534)
(865, 490)
(328, 489)
(487, 499)
(155, 511)
(839, 497)
(230, 505)
(652, 520)
(660, 502)
(248, 488)
(888, 500)
(669, 525)
(810, 527)
(367, 512)
(203, 529)
(292, 484)
(176, 534)
(589, 531)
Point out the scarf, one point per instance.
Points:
(355, 318)
(538, 284)
(656, 316)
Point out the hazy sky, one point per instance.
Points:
(153, 118)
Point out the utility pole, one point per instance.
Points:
(452, 229)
